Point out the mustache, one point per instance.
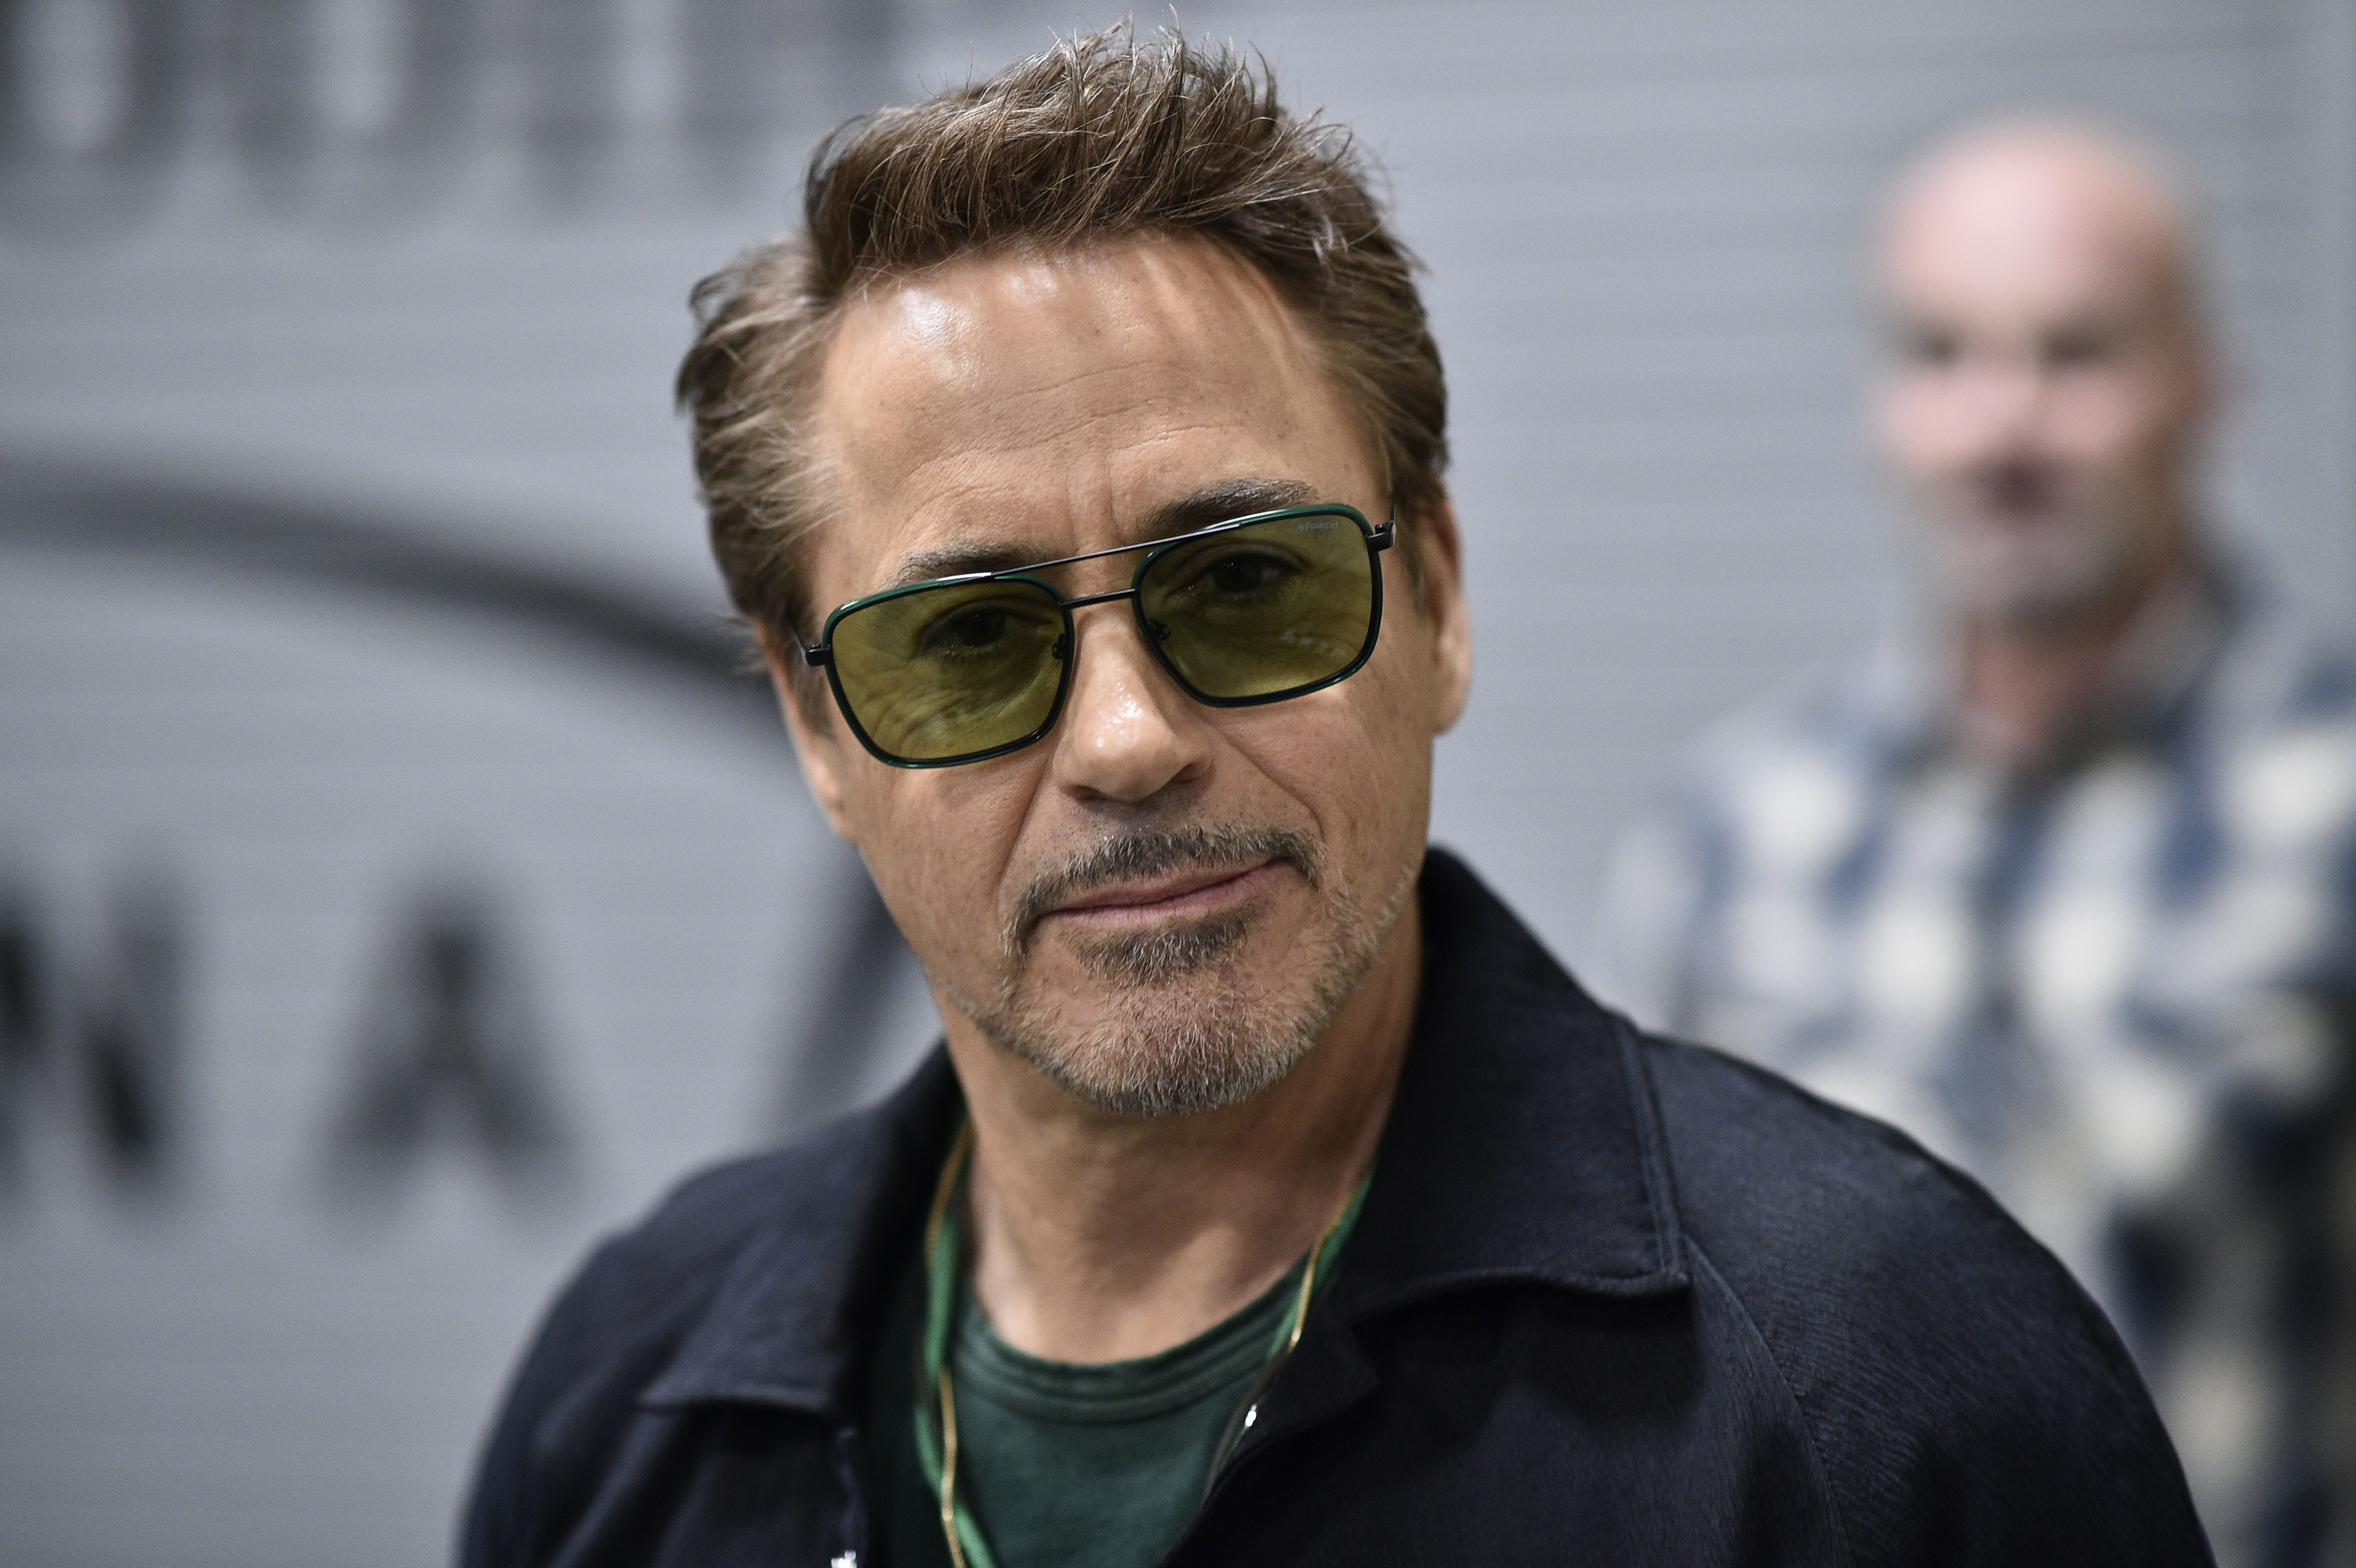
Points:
(2016, 485)
(1127, 857)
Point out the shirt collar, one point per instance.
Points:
(1523, 1143)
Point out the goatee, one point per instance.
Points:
(1186, 1029)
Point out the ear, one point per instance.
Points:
(1443, 608)
(818, 737)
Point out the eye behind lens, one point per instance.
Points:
(953, 671)
(1265, 611)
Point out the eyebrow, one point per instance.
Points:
(1219, 503)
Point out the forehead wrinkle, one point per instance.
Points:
(931, 357)
(1079, 470)
(1216, 503)
(898, 418)
(946, 325)
(1069, 403)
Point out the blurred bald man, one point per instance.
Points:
(2060, 878)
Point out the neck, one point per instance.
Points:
(2028, 682)
(1096, 1238)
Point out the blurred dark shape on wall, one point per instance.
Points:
(74, 508)
(370, 162)
(24, 1024)
(131, 1032)
(92, 1035)
(90, 152)
(369, 115)
(450, 1053)
(460, 1044)
(572, 130)
(735, 50)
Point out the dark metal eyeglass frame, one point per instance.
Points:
(820, 653)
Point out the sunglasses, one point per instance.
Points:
(961, 670)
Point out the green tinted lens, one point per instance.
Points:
(1264, 610)
(947, 672)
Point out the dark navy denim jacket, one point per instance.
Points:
(1611, 1301)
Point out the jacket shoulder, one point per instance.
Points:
(625, 1318)
(1965, 1399)
(642, 1289)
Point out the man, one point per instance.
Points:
(1275, 1198)
(2062, 883)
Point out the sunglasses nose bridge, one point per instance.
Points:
(1112, 596)
(1149, 632)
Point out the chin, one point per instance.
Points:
(1195, 1044)
(2008, 572)
(1181, 1019)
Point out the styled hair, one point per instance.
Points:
(1102, 137)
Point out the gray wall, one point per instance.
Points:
(296, 811)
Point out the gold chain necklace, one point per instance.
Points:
(968, 1546)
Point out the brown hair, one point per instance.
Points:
(1102, 137)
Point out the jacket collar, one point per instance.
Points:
(1524, 1144)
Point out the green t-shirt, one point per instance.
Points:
(1063, 1464)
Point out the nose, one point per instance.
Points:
(2007, 404)
(1127, 732)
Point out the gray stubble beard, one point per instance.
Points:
(1981, 578)
(1187, 1033)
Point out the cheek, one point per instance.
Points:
(2107, 422)
(1362, 763)
(937, 843)
(1922, 428)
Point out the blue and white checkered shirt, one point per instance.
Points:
(2120, 991)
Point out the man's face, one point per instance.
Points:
(2047, 382)
(1160, 904)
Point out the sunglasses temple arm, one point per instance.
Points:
(814, 655)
